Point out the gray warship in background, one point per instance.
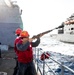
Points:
(66, 33)
(10, 20)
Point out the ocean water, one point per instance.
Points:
(59, 51)
(49, 44)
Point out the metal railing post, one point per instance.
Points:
(44, 65)
(62, 69)
(37, 57)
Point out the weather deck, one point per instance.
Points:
(7, 62)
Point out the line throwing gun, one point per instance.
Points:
(43, 33)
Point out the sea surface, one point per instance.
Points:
(59, 51)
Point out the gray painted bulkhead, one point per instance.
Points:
(10, 20)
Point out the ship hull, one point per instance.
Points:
(7, 33)
(67, 38)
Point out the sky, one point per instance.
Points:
(42, 15)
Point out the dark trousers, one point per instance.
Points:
(26, 69)
(16, 68)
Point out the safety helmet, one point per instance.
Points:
(18, 31)
(24, 34)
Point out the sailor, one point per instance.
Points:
(25, 53)
(17, 33)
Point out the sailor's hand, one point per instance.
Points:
(37, 36)
(30, 39)
(34, 37)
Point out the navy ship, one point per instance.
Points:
(10, 20)
(66, 34)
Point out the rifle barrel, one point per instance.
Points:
(43, 33)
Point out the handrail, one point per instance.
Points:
(42, 72)
(63, 65)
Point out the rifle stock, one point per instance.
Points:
(43, 33)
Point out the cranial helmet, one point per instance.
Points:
(24, 34)
(18, 31)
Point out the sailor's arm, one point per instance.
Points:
(22, 44)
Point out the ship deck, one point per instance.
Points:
(7, 62)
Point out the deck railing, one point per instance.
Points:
(42, 70)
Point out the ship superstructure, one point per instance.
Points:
(10, 19)
(66, 34)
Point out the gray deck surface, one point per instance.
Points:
(7, 63)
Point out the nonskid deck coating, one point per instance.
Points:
(7, 62)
